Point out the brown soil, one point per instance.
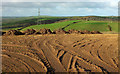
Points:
(60, 53)
(73, 31)
(29, 31)
(44, 31)
(87, 32)
(83, 32)
(96, 32)
(59, 31)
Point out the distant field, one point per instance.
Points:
(18, 22)
(6, 20)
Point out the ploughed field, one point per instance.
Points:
(60, 53)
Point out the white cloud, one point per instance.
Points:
(58, 4)
(60, 0)
(57, 8)
(114, 4)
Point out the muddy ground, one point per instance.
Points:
(60, 53)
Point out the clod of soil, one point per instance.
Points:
(44, 31)
(59, 31)
(72, 31)
(13, 32)
(96, 32)
(29, 31)
(83, 32)
(86, 32)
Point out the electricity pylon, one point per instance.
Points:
(38, 16)
(38, 11)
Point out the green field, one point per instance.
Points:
(97, 24)
(81, 25)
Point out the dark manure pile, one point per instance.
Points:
(47, 31)
(13, 32)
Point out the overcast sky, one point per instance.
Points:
(57, 8)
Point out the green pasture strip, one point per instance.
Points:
(11, 29)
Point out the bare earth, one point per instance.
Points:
(60, 53)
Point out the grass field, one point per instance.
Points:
(81, 25)
(98, 24)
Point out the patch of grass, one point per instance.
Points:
(114, 26)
